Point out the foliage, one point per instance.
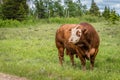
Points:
(0, 11)
(14, 9)
(15, 23)
(94, 9)
(110, 15)
(31, 21)
(106, 13)
(54, 11)
(113, 17)
(40, 9)
(56, 8)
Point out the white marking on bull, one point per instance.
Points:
(75, 35)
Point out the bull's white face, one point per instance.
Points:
(75, 35)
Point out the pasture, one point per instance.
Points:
(30, 52)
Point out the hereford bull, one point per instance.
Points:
(79, 39)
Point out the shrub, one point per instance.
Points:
(64, 20)
(9, 23)
(89, 18)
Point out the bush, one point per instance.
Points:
(85, 18)
(9, 23)
(64, 20)
(89, 18)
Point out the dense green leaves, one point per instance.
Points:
(46, 9)
(40, 9)
(106, 13)
(94, 10)
(57, 8)
(14, 9)
(110, 15)
(113, 16)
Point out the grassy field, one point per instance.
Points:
(30, 52)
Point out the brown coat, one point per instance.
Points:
(87, 47)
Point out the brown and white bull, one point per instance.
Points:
(81, 40)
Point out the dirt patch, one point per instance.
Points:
(10, 77)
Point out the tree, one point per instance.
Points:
(0, 10)
(21, 12)
(51, 9)
(14, 9)
(58, 8)
(106, 13)
(48, 8)
(70, 8)
(94, 10)
(110, 15)
(80, 9)
(113, 16)
(40, 9)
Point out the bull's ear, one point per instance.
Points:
(84, 30)
(78, 27)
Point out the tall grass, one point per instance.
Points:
(33, 22)
(25, 23)
(30, 52)
(85, 18)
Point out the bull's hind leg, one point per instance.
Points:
(92, 59)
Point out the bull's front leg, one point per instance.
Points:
(83, 63)
(72, 59)
(82, 58)
(61, 55)
(71, 56)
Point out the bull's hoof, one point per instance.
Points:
(88, 58)
(76, 56)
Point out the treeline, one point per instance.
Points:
(46, 9)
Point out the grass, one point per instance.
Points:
(30, 52)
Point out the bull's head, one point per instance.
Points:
(75, 35)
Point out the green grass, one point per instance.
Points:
(30, 52)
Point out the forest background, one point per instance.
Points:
(53, 11)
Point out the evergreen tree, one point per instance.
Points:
(79, 8)
(94, 10)
(14, 9)
(58, 8)
(21, 12)
(40, 9)
(71, 8)
(113, 16)
(0, 11)
(51, 9)
(106, 13)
